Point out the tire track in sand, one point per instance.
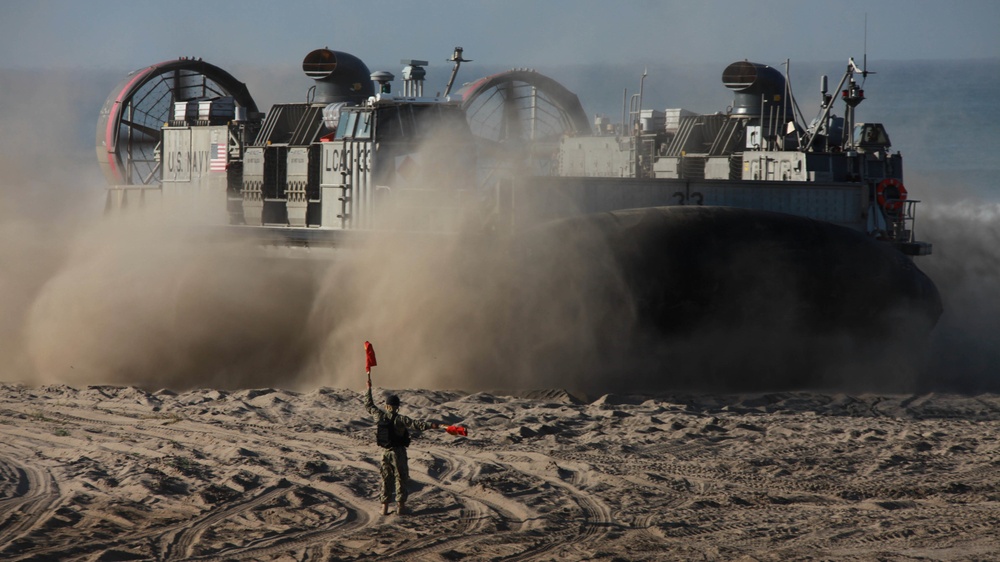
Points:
(177, 544)
(597, 519)
(268, 547)
(452, 476)
(35, 492)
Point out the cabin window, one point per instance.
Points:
(406, 120)
(364, 130)
(345, 129)
(389, 126)
(409, 122)
(354, 125)
(439, 120)
(425, 118)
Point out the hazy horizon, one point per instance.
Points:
(49, 34)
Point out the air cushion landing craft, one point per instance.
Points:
(701, 213)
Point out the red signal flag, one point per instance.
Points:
(457, 430)
(369, 357)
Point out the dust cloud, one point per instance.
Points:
(93, 300)
(87, 300)
(965, 347)
(142, 301)
(472, 309)
(157, 307)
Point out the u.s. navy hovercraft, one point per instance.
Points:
(750, 218)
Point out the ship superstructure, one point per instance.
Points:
(338, 160)
(758, 155)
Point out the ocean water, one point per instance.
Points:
(944, 119)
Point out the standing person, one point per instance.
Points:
(393, 436)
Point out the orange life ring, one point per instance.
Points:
(890, 194)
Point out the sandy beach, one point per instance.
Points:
(176, 393)
(118, 473)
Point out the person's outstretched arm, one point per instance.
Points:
(370, 402)
(411, 423)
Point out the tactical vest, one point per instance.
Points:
(386, 436)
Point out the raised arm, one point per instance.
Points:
(370, 402)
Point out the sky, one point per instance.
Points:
(130, 34)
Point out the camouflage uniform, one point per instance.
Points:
(395, 470)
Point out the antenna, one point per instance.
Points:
(456, 58)
(864, 61)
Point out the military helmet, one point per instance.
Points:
(392, 400)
